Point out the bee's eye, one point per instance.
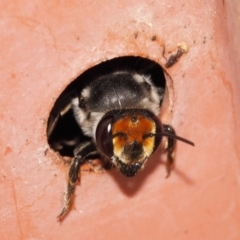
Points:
(104, 135)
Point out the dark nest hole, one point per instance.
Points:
(63, 132)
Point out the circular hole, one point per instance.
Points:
(64, 133)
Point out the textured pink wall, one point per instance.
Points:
(45, 45)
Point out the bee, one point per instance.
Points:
(116, 114)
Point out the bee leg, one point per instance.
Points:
(169, 147)
(82, 152)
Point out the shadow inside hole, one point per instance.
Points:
(63, 132)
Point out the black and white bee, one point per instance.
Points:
(116, 119)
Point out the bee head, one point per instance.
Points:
(128, 138)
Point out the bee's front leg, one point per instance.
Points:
(169, 147)
(82, 152)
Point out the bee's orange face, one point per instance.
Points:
(129, 143)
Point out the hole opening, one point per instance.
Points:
(63, 132)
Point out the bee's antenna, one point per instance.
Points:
(165, 134)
